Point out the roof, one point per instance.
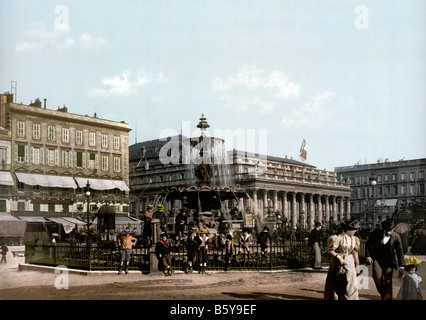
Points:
(271, 158)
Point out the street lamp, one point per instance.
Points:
(87, 193)
(373, 182)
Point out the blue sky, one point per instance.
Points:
(349, 77)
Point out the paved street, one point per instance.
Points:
(302, 284)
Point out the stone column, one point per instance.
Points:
(335, 216)
(275, 199)
(294, 213)
(327, 210)
(342, 209)
(285, 206)
(303, 210)
(348, 208)
(311, 212)
(320, 208)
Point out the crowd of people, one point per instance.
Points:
(383, 249)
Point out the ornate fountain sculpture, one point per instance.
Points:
(207, 194)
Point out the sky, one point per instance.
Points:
(349, 77)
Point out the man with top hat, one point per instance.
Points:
(314, 244)
(384, 251)
(180, 222)
(159, 214)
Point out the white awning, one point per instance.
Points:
(6, 178)
(32, 219)
(45, 180)
(387, 202)
(102, 184)
(68, 226)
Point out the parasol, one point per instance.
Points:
(402, 227)
(55, 235)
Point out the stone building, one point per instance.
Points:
(48, 156)
(378, 189)
(280, 189)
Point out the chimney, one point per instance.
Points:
(45, 102)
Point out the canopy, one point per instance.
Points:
(6, 178)
(68, 226)
(79, 223)
(102, 184)
(45, 180)
(11, 226)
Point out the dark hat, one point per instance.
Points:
(317, 224)
(351, 224)
(388, 224)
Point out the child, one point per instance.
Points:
(410, 289)
(162, 251)
(229, 245)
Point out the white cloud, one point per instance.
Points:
(38, 39)
(124, 84)
(320, 109)
(253, 88)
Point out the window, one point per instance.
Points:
(104, 141)
(117, 167)
(51, 157)
(36, 130)
(65, 135)
(51, 133)
(92, 163)
(66, 158)
(21, 206)
(36, 206)
(78, 137)
(35, 155)
(104, 163)
(92, 139)
(403, 176)
(79, 160)
(3, 206)
(116, 142)
(403, 190)
(21, 153)
(51, 207)
(393, 177)
(21, 128)
(421, 188)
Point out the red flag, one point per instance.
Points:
(303, 151)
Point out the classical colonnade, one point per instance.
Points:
(301, 209)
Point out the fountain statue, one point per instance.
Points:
(212, 173)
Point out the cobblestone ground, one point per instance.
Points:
(301, 284)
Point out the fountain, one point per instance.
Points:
(213, 187)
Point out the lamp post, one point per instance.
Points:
(373, 182)
(87, 193)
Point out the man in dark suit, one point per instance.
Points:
(384, 251)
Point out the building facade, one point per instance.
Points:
(48, 156)
(294, 193)
(379, 189)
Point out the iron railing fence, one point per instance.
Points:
(294, 254)
(80, 257)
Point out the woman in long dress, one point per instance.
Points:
(341, 282)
